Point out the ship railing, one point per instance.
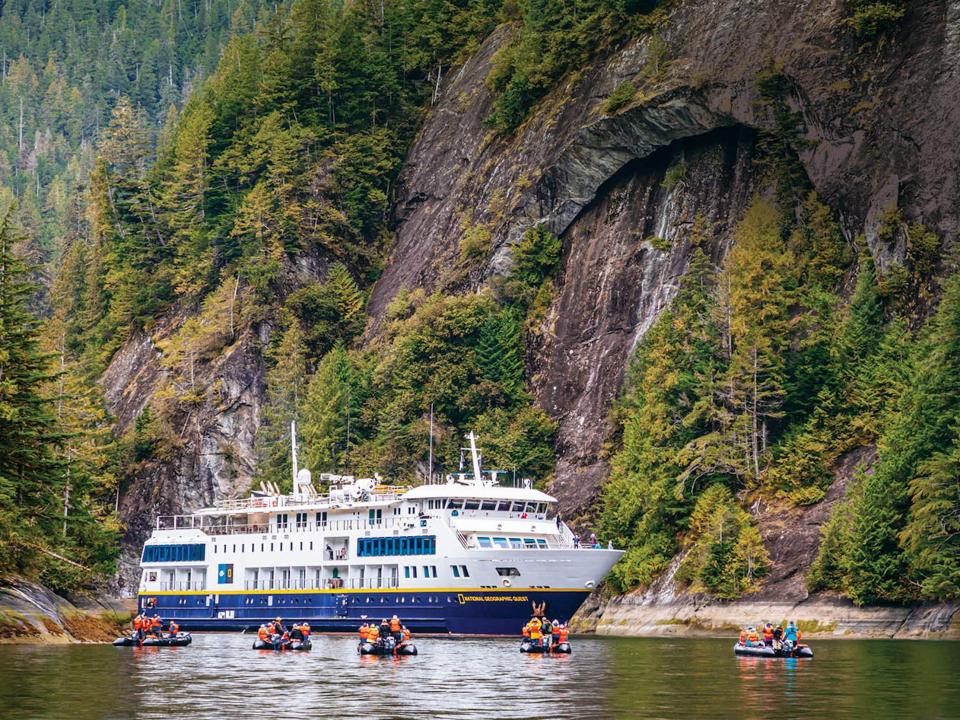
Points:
(383, 493)
(331, 527)
(324, 584)
(184, 586)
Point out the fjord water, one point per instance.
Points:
(219, 676)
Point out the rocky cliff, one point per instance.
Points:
(622, 190)
(875, 120)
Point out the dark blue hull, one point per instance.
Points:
(458, 612)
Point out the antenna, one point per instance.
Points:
(293, 448)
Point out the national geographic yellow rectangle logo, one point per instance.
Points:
(490, 598)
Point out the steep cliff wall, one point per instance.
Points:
(875, 121)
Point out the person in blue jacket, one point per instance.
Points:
(791, 634)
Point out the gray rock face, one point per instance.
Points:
(876, 122)
(880, 125)
(214, 453)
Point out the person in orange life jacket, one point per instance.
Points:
(156, 626)
(138, 627)
(526, 630)
(395, 628)
(305, 629)
(373, 634)
(743, 637)
(263, 635)
(536, 636)
(556, 632)
(363, 633)
(295, 632)
(173, 629)
(752, 637)
(406, 634)
(564, 634)
(768, 634)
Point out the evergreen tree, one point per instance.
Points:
(286, 383)
(30, 468)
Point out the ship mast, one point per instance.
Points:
(293, 448)
(475, 455)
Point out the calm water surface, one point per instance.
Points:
(219, 676)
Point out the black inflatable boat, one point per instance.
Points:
(179, 640)
(301, 645)
(801, 651)
(526, 646)
(384, 649)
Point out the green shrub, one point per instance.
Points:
(619, 98)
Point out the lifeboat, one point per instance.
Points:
(526, 646)
(366, 648)
(800, 651)
(296, 645)
(181, 639)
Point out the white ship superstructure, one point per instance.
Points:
(468, 555)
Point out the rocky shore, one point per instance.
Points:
(818, 616)
(30, 613)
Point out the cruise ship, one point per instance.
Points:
(467, 556)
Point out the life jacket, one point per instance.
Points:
(373, 633)
(271, 628)
(768, 633)
(395, 625)
(743, 637)
(364, 632)
(305, 629)
(156, 623)
(753, 637)
(137, 622)
(535, 626)
(526, 630)
(262, 634)
(174, 628)
(406, 635)
(564, 634)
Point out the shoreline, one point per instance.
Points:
(31, 614)
(819, 617)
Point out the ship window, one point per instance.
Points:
(488, 505)
(541, 543)
(234, 547)
(503, 506)
(455, 504)
(426, 571)
(516, 507)
(406, 571)
(472, 505)
(311, 544)
(414, 570)
(175, 553)
(463, 569)
(508, 572)
(501, 542)
(484, 542)
(516, 543)
(530, 543)
(456, 571)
